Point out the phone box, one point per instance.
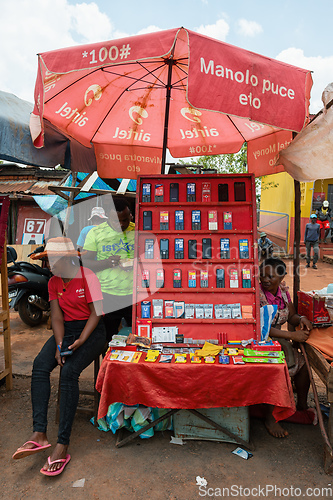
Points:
(313, 308)
(271, 345)
(144, 327)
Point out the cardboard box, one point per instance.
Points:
(313, 308)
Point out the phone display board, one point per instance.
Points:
(196, 255)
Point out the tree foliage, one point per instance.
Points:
(235, 163)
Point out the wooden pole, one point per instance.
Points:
(70, 203)
(4, 318)
(297, 239)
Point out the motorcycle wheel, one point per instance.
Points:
(29, 314)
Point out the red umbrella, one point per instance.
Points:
(132, 98)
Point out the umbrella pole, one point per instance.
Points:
(170, 63)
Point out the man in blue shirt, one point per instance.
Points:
(311, 238)
(97, 217)
(265, 246)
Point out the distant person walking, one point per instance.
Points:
(311, 239)
(324, 220)
(97, 217)
(265, 246)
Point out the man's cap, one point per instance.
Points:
(98, 212)
(325, 203)
(263, 234)
(313, 216)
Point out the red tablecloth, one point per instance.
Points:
(185, 386)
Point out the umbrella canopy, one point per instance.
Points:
(132, 98)
(310, 155)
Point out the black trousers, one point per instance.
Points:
(115, 308)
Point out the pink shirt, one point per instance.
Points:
(74, 296)
(276, 299)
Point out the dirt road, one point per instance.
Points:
(154, 468)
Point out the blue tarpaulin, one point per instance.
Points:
(56, 205)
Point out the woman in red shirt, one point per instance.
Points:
(78, 338)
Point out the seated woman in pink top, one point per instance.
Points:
(78, 338)
(274, 291)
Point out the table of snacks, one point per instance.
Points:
(192, 386)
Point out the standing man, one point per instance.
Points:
(324, 219)
(106, 245)
(265, 246)
(97, 217)
(311, 238)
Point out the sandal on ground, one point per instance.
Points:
(64, 462)
(25, 452)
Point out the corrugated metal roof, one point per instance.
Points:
(15, 186)
(41, 187)
(27, 187)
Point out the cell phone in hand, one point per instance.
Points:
(66, 342)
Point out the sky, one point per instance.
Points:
(296, 32)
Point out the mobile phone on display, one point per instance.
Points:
(192, 279)
(190, 191)
(164, 220)
(206, 248)
(223, 192)
(66, 342)
(147, 220)
(203, 278)
(164, 248)
(192, 249)
(196, 220)
(177, 278)
(174, 191)
(159, 192)
(146, 193)
(239, 191)
(219, 278)
(145, 279)
(149, 249)
(179, 248)
(206, 187)
(179, 220)
(159, 278)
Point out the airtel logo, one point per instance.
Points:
(138, 110)
(195, 113)
(97, 94)
(142, 113)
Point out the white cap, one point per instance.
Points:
(325, 203)
(97, 212)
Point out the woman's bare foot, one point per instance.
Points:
(37, 437)
(60, 451)
(274, 428)
(38, 442)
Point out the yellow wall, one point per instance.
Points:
(281, 197)
(277, 193)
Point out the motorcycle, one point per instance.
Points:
(27, 288)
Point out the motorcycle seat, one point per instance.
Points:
(35, 268)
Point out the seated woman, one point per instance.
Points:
(76, 307)
(274, 291)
